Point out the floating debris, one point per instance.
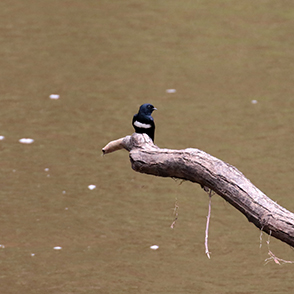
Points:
(254, 101)
(26, 141)
(171, 91)
(57, 248)
(54, 96)
(154, 247)
(91, 187)
(2, 246)
(32, 254)
(46, 169)
(2, 137)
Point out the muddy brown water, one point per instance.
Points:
(104, 59)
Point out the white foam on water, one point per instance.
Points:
(54, 96)
(170, 91)
(91, 187)
(26, 141)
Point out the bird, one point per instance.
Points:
(143, 121)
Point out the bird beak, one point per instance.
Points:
(154, 108)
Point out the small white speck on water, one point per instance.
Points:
(57, 248)
(170, 91)
(2, 137)
(26, 141)
(46, 169)
(2, 246)
(154, 247)
(91, 187)
(254, 101)
(54, 96)
(66, 208)
(32, 254)
(63, 192)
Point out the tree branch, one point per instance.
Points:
(224, 179)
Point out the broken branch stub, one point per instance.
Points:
(224, 179)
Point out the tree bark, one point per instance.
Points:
(224, 179)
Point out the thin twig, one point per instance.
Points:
(273, 257)
(260, 237)
(207, 225)
(176, 214)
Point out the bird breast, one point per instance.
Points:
(141, 125)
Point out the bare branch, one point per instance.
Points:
(199, 167)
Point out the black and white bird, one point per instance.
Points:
(143, 121)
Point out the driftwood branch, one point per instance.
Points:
(224, 179)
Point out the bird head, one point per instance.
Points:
(147, 109)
